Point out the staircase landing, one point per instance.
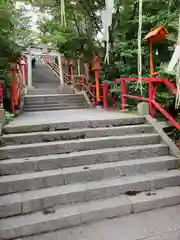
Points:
(72, 115)
(66, 168)
(43, 77)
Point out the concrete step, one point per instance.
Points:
(76, 184)
(124, 121)
(81, 213)
(52, 105)
(59, 97)
(59, 147)
(64, 102)
(57, 90)
(52, 108)
(59, 104)
(26, 138)
(85, 158)
(58, 177)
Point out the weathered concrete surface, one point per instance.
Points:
(143, 109)
(37, 200)
(85, 158)
(174, 150)
(160, 224)
(54, 102)
(81, 213)
(68, 116)
(1, 128)
(89, 178)
(2, 115)
(60, 147)
(26, 138)
(43, 77)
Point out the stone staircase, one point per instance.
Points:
(47, 94)
(50, 91)
(59, 175)
(48, 102)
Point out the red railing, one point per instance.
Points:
(17, 74)
(90, 89)
(1, 94)
(151, 99)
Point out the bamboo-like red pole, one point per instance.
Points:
(151, 65)
(97, 86)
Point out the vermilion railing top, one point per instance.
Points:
(169, 84)
(152, 102)
(146, 80)
(12, 69)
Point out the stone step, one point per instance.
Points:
(49, 188)
(123, 121)
(62, 103)
(58, 177)
(26, 138)
(58, 90)
(50, 162)
(52, 108)
(59, 147)
(43, 98)
(50, 105)
(64, 217)
(58, 104)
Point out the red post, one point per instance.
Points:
(13, 91)
(96, 67)
(1, 95)
(123, 93)
(151, 96)
(105, 94)
(93, 90)
(79, 82)
(47, 60)
(97, 86)
(23, 63)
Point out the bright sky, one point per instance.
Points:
(30, 12)
(34, 14)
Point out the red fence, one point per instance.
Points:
(151, 99)
(152, 83)
(16, 76)
(1, 94)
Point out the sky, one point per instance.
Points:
(34, 14)
(30, 12)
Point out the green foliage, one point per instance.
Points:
(8, 117)
(15, 34)
(79, 36)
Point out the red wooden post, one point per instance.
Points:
(13, 91)
(123, 93)
(151, 95)
(105, 94)
(1, 94)
(96, 67)
(47, 60)
(23, 63)
(79, 82)
(97, 86)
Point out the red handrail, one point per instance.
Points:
(153, 104)
(16, 86)
(1, 94)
